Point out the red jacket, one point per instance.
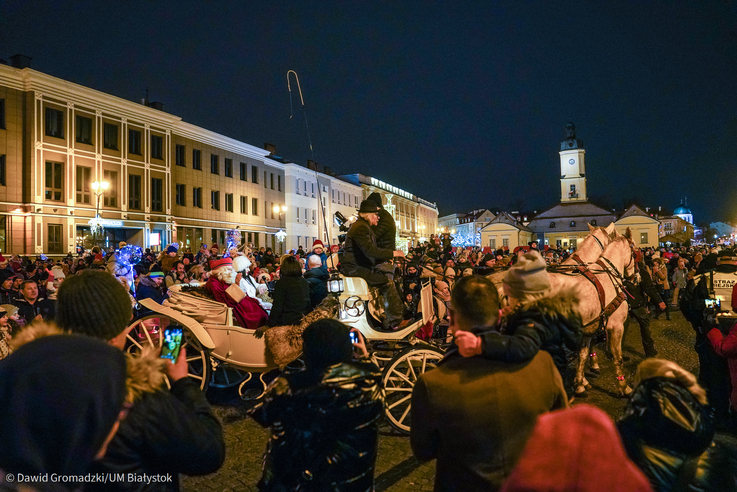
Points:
(727, 348)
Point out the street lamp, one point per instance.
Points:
(280, 210)
(99, 188)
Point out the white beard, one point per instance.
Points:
(226, 275)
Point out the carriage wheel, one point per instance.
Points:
(226, 376)
(147, 331)
(399, 380)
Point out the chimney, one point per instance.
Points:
(311, 165)
(328, 171)
(157, 105)
(270, 147)
(20, 61)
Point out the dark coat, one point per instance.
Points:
(552, 324)
(361, 249)
(291, 301)
(318, 280)
(28, 312)
(385, 231)
(636, 293)
(324, 427)
(663, 427)
(147, 289)
(474, 416)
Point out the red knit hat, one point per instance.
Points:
(214, 264)
(318, 243)
(215, 246)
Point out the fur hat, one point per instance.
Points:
(527, 276)
(93, 303)
(215, 264)
(241, 263)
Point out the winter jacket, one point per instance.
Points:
(385, 231)
(166, 432)
(28, 312)
(361, 249)
(291, 301)
(726, 346)
(670, 436)
(324, 429)
(148, 289)
(636, 293)
(318, 280)
(680, 278)
(552, 324)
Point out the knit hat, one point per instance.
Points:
(577, 435)
(376, 198)
(9, 309)
(215, 246)
(527, 276)
(93, 303)
(368, 207)
(316, 243)
(156, 274)
(172, 249)
(63, 394)
(215, 264)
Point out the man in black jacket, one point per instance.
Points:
(637, 301)
(361, 257)
(386, 234)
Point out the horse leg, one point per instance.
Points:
(580, 382)
(615, 332)
(593, 358)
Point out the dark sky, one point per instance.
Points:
(461, 103)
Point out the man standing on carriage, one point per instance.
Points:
(386, 234)
(362, 256)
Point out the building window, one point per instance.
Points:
(492, 243)
(296, 210)
(355, 201)
(157, 195)
(2, 171)
(181, 190)
(54, 181)
(134, 192)
(265, 179)
(278, 183)
(83, 184)
(244, 204)
(573, 193)
(228, 202)
(314, 217)
(197, 159)
(552, 225)
(313, 190)
(254, 206)
(573, 223)
(179, 155)
(110, 198)
(244, 172)
(254, 174)
(54, 123)
(157, 147)
(214, 164)
(272, 180)
(2, 116)
(84, 129)
(332, 192)
(56, 244)
(134, 142)
(215, 200)
(228, 168)
(110, 136)
(643, 238)
(197, 197)
(505, 242)
(296, 188)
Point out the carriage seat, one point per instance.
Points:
(197, 304)
(355, 286)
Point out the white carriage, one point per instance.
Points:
(222, 354)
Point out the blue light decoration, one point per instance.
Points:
(129, 255)
(461, 240)
(233, 240)
(44, 257)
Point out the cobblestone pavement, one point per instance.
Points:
(396, 469)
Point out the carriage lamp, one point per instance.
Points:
(335, 284)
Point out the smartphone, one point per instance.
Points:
(354, 337)
(713, 303)
(172, 343)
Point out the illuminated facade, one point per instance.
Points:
(168, 180)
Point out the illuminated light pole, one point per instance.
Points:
(96, 223)
(281, 235)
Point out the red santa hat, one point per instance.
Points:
(215, 264)
(317, 243)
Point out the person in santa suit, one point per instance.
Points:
(223, 285)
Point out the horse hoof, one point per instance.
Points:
(582, 394)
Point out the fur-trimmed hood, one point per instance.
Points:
(145, 373)
(565, 303)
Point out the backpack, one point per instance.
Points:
(692, 301)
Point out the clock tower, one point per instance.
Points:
(572, 170)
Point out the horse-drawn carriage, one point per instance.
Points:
(221, 354)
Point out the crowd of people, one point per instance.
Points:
(495, 414)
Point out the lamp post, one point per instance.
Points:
(99, 188)
(280, 210)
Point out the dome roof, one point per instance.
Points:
(681, 210)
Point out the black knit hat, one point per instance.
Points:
(93, 303)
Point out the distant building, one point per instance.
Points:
(466, 227)
(684, 212)
(642, 226)
(505, 231)
(723, 229)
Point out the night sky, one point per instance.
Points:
(461, 103)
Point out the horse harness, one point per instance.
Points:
(606, 309)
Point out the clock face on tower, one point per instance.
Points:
(571, 161)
